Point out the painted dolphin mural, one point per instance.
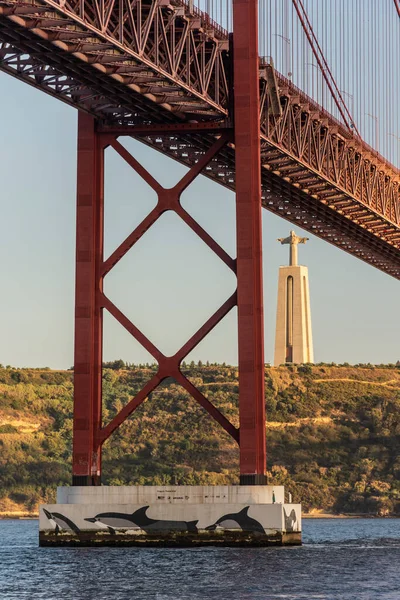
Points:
(239, 520)
(101, 526)
(290, 520)
(60, 522)
(140, 520)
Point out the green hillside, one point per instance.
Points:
(333, 434)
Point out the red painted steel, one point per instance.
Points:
(89, 432)
(88, 317)
(249, 242)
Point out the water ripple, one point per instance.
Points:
(347, 559)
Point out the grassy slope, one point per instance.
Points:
(333, 434)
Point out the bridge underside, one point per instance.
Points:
(183, 123)
(164, 73)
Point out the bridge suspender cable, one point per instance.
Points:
(324, 66)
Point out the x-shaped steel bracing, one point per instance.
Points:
(168, 366)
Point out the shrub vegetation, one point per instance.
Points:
(333, 433)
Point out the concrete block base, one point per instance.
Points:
(170, 516)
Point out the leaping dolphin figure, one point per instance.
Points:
(139, 520)
(290, 520)
(61, 522)
(239, 520)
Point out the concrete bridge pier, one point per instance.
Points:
(183, 516)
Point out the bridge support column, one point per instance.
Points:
(249, 242)
(88, 313)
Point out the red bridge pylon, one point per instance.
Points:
(89, 432)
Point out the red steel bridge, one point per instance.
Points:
(168, 73)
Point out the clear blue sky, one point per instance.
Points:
(170, 282)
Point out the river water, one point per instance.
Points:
(341, 559)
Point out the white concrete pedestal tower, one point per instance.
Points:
(293, 338)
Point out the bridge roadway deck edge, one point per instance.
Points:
(282, 199)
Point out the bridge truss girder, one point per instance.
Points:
(332, 184)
